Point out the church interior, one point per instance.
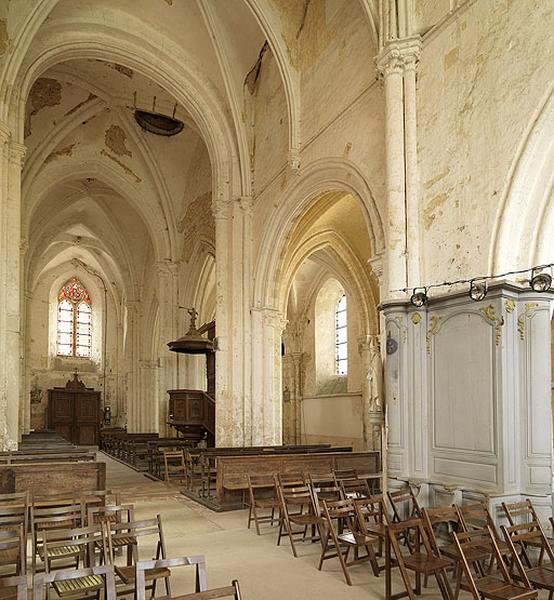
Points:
(276, 299)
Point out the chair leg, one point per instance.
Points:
(256, 522)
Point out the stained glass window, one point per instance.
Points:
(74, 320)
(341, 333)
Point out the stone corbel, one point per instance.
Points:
(221, 209)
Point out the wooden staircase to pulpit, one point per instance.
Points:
(192, 414)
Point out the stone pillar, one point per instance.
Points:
(133, 408)
(167, 361)
(468, 395)
(11, 158)
(233, 226)
(397, 63)
(267, 395)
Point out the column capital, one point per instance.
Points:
(271, 317)
(221, 209)
(245, 203)
(399, 55)
(17, 152)
(167, 267)
(376, 265)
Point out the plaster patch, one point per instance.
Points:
(429, 214)
(198, 223)
(122, 165)
(64, 151)
(115, 139)
(45, 92)
(347, 149)
(305, 30)
(90, 98)
(451, 58)
(431, 182)
(4, 39)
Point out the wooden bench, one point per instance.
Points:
(232, 471)
(59, 477)
(17, 458)
(155, 452)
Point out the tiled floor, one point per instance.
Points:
(265, 571)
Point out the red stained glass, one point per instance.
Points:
(74, 291)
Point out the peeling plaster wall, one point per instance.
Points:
(481, 80)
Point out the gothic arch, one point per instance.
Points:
(525, 220)
(317, 178)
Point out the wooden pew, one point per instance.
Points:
(232, 471)
(17, 458)
(57, 477)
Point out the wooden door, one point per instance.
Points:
(60, 417)
(87, 418)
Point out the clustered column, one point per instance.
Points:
(11, 159)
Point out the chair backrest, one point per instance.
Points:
(476, 516)
(67, 517)
(340, 509)
(403, 529)
(520, 512)
(15, 498)
(14, 515)
(81, 538)
(326, 489)
(19, 582)
(137, 529)
(439, 523)
(371, 511)
(520, 535)
(231, 591)
(477, 539)
(296, 493)
(14, 538)
(201, 584)
(174, 462)
(265, 483)
(404, 505)
(43, 580)
(110, 513)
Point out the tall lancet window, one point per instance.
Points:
(74, 320)
(341, 333)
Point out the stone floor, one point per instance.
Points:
(265, 571)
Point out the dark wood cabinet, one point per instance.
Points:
(75, 412)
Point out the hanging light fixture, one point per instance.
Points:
(478, 290)
(419, 298)
(541, 280)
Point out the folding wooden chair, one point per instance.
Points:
(351, 485)
(297, 507)
(536, 574)
(120, 533)
(69, 544)
(13, 545)
(404, 505)
(193, 473)
(347, 536)
(373, 518)
(144, 567)
(524, 512)
(499, 586)
(262, 495)
(422, 560)
(80, 581)
(477, 516)
(60, 517)
(112, 515)
(174, 466)
(15, 517)
(13, 588)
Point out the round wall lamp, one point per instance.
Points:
(478, 291)
(541, 281)
(419, 298)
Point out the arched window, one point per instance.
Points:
(341, 333)
(74, 320)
